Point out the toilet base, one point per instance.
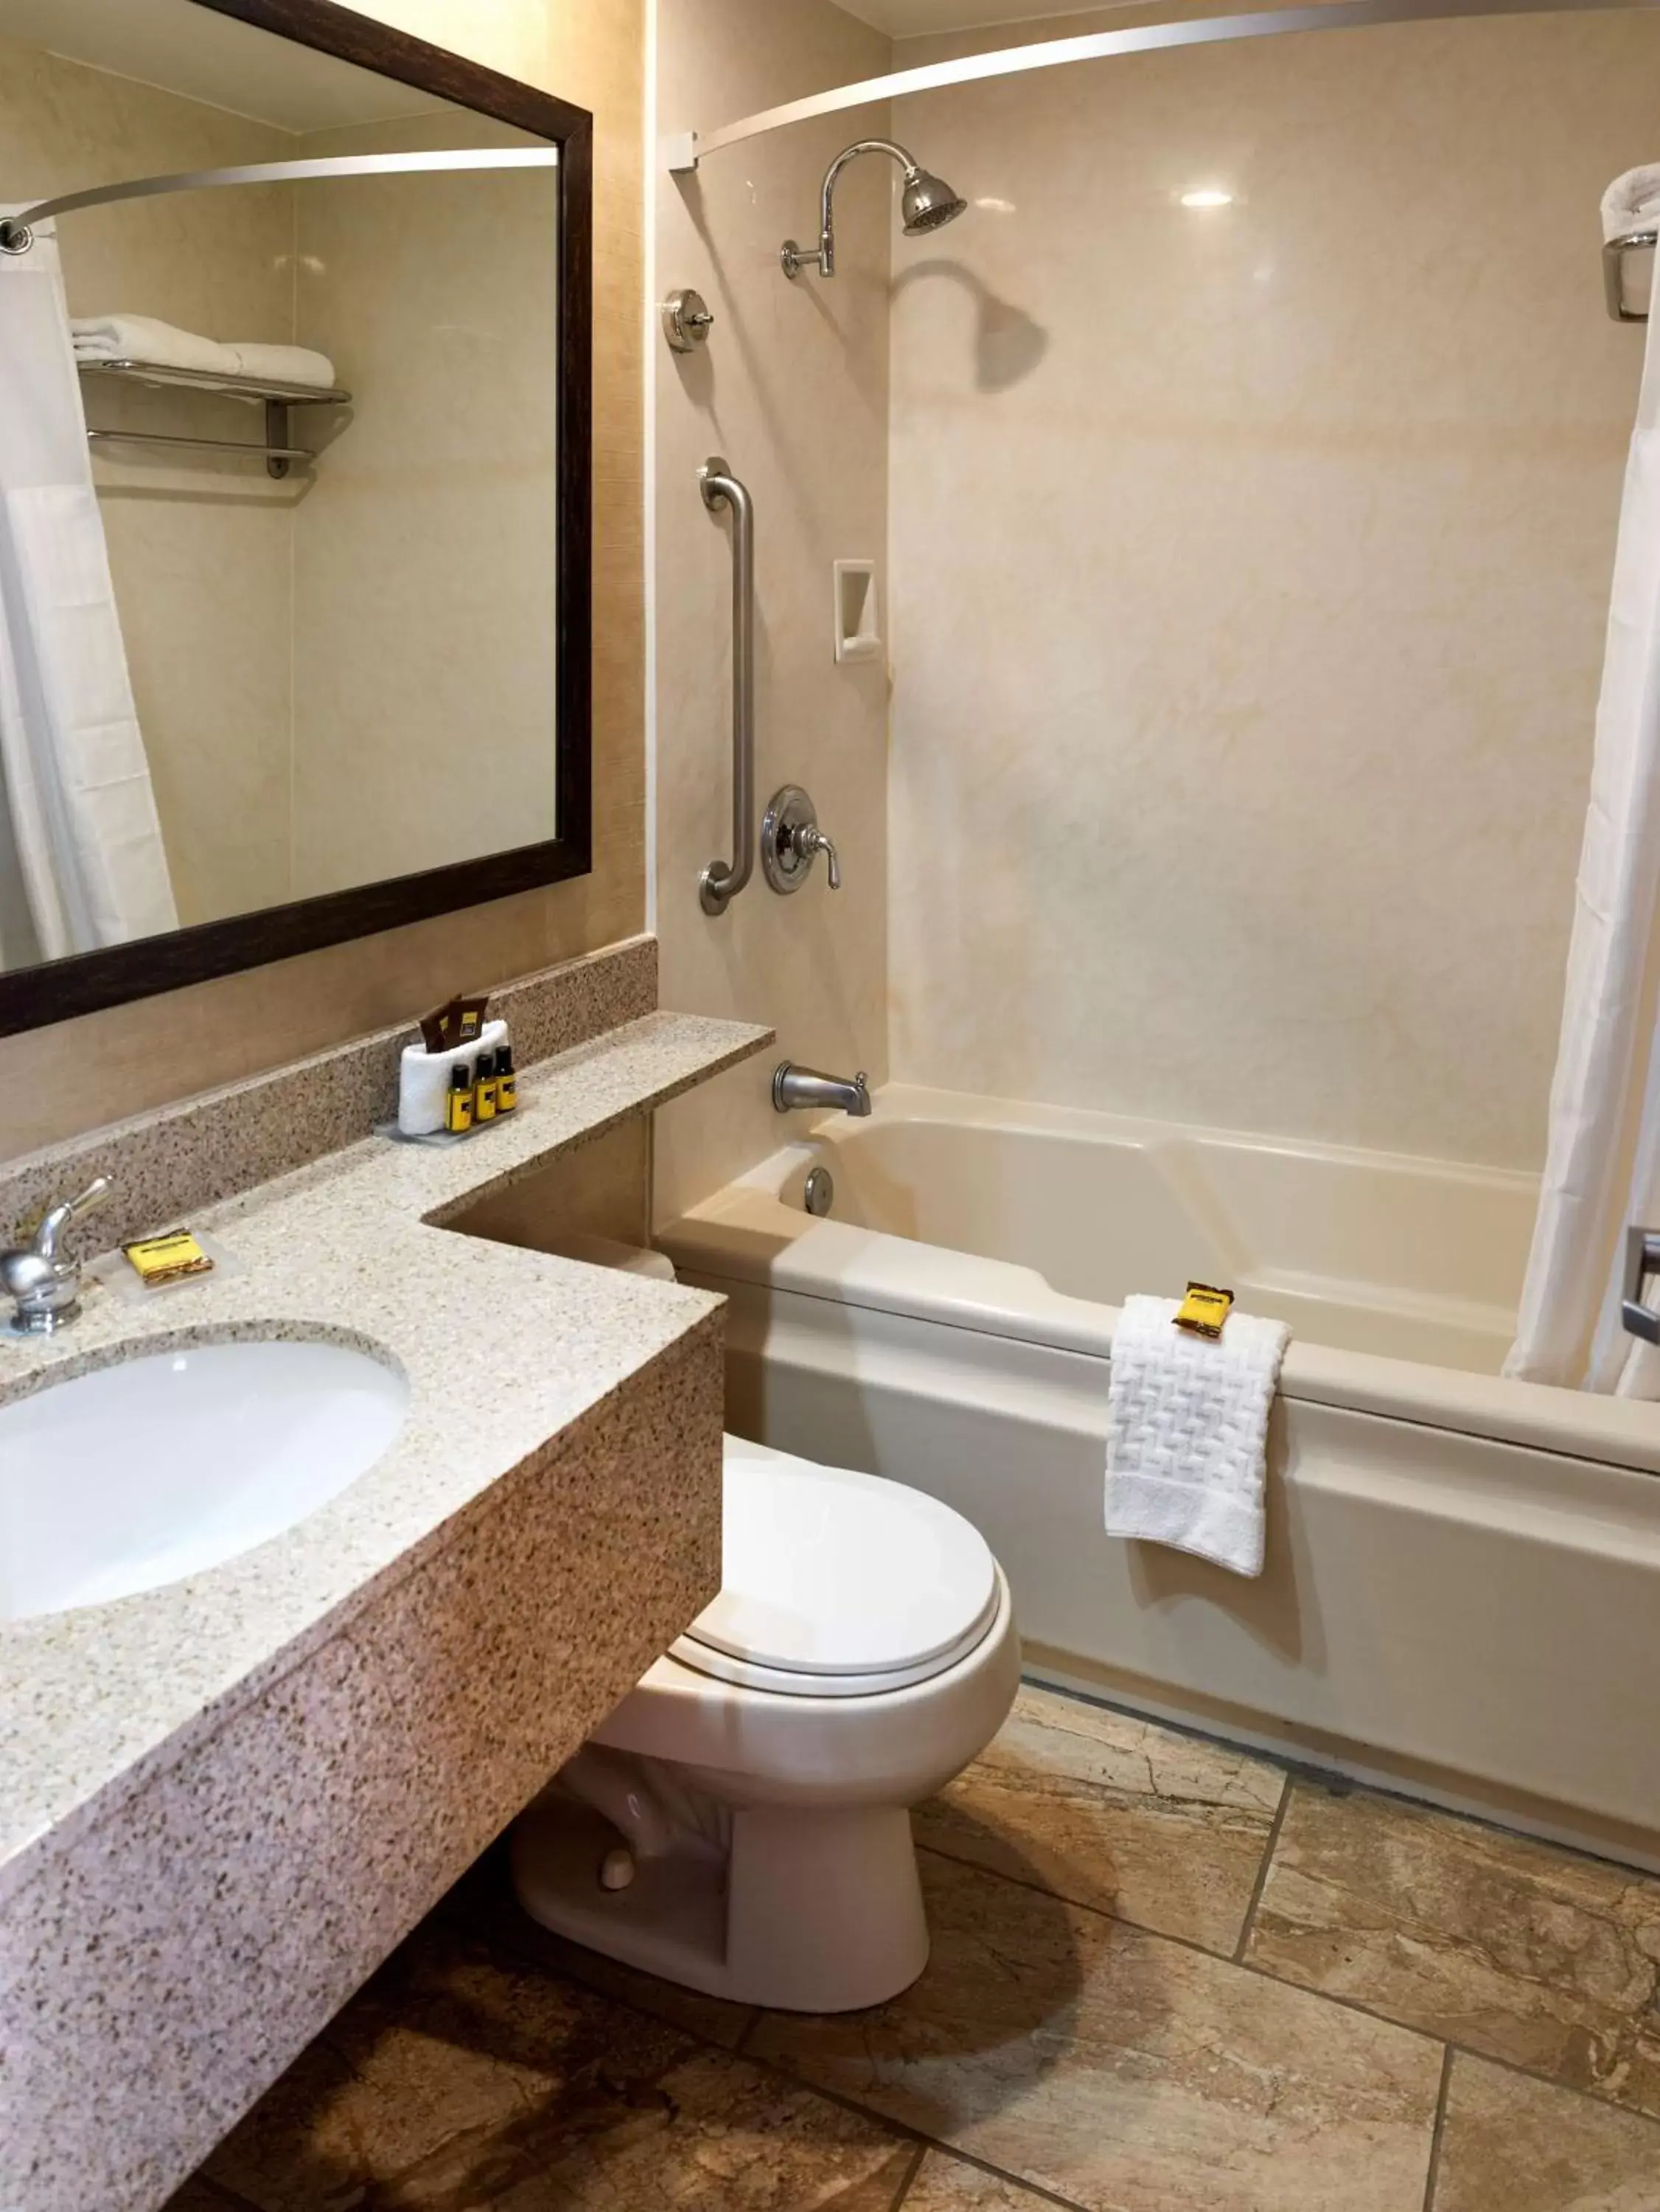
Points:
(811, 1909)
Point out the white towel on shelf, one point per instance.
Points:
(1187, 1439)
(142, 337)
(282, 364)
(164, 345)
(1631, 202)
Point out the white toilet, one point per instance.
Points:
(740, 1824)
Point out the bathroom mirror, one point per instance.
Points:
(294, 490)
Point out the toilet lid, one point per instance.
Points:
(836, 1582)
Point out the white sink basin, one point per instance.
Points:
(135, 1474)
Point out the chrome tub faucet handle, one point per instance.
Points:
(813, 840)
(791, 840)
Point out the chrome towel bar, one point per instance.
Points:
(278, 452)
(721, 881)
(238, 447)
(159, 373)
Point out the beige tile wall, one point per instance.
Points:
(1251, 575)
(792, 390)
(199, 552)
(426, 551)
(76, 1074)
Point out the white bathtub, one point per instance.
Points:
(1463, 1587)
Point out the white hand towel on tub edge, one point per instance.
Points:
(1187, 1436)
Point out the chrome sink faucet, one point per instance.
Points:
(805, 1086)
(47, 1290)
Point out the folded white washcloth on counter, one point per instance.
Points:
(163, 345)
(1631, 202)
(142, 337)
(282, 364)
(1187, 1438)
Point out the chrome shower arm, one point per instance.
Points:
(795, 259)
(827, 193)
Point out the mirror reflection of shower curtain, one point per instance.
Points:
(1603, 1158)
(81, 859)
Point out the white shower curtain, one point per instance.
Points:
(78, 822)
(1603, 1158)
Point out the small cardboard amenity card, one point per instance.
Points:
(1204, 1309)
(166, 1259)
(161, 1267)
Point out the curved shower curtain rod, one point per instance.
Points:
(16, 236)
(685, 149)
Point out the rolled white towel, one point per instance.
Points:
(1631, 202)
(1187, 1432)
(423, 1079)
(163, 345)
(143, 337)
(282, 364)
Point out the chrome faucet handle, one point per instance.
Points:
(67, 1210)
(46, 1289)
(791, 840)
(813, 840)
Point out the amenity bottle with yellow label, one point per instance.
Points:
(484, 1088)
(458, 1104)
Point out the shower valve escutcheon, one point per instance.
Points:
(791, 840)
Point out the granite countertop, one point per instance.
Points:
(502, 1349)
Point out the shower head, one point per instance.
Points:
(929, 204)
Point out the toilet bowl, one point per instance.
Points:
(740, 1824)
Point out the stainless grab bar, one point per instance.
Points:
(721, 881)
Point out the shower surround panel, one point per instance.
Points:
(1251, 575)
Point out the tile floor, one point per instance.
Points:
(1165, 1975)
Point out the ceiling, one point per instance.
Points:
(185, 48)
(911, 19)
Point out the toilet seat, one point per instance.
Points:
(837, 1584)
(758, 1779)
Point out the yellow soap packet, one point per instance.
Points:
(166, 1259)
(1204, 1309)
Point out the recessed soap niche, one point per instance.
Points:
(859, 629)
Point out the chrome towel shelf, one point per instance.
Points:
(278, 452)
(1614, 272)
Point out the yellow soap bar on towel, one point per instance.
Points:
(166, 1259)
(1204, 1309)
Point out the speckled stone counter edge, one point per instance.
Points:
(134, 2039)
(173, 1161)
(93, 1702)
(387, 1684)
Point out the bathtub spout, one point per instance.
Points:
(805, 1086)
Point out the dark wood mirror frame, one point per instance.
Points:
(84, 981)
